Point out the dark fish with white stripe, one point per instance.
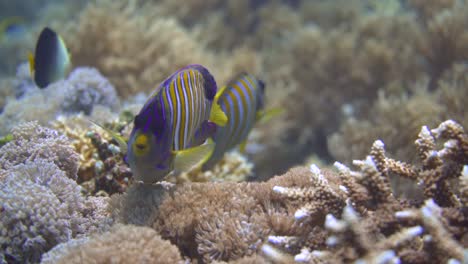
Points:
(51, 59)
(243, 101)
(171, 130)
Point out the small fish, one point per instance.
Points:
(171, 132)
(51, 60)
(243, 101)
(11, 27)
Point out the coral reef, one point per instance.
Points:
(351, 76)
(141, 244)
(136, 56)
(378, 227)
(297, 215)
(234, 167)
(80, 92)
(395, 119)
(42, 205)
(33, 142)
(102, 170)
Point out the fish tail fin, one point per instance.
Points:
(31, 63)
(217, 115)
(264, 116)
(188, 159)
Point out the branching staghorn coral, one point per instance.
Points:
(452, 90)
(445, 41)
(337, 73)
(438, 167)
(438, 242)
(384, 228)
(394, 119)
(322, 196)
(228, 221)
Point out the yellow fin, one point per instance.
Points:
(188, 159)
(264, 116)
(217, 115)
(219, 93)
(242, 146)
(31, 64)
(120, 140)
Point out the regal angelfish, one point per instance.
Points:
(242, 100)
(170, 130)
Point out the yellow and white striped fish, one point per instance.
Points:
(170, 130)
(242, 100)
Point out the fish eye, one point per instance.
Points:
(141, 145)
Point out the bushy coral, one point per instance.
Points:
(42, 205)
(80, 92)
(88, 88)
(118, 245)
(394, 120)
(33, 142)
(136, 55)
(228, 221)
(33, 218)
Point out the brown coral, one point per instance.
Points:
(121, 243)
(136, 55)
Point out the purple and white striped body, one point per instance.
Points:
(241, 100)
(174, 118)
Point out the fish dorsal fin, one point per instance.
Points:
(264, 116)
(31, 63)
(217, 115)
(120, 140)
(188, 159)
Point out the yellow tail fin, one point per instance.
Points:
(31, 63)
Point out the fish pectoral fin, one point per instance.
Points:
(217, 115)
(242, 146)
(31, 63)
(264, 116)
(188, 159)
(120, 140)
